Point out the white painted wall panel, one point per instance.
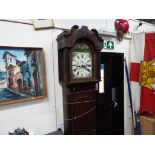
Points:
(58, 87)
(38, 116)
(91, 23)
(110, 24)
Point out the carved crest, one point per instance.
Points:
(68, 38)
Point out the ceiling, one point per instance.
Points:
(152, 21)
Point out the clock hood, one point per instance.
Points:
(68, 38)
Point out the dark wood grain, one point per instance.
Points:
(79, 95)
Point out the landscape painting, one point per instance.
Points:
(22, 74)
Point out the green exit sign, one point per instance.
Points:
(108, 44)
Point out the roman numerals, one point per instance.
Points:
(81, 65)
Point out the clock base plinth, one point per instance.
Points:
(84, 125)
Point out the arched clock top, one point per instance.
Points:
(68, 38)
(79, 55)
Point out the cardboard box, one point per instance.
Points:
(147, 125)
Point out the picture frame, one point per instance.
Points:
(22, 74)
(40, 24)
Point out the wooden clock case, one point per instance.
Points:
(79, 95)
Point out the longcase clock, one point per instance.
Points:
(78, 54)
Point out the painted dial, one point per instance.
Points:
(82, 62)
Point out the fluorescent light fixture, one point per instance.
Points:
(108, 32)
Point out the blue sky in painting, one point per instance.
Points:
(19, 53)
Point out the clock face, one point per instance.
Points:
(81, 61)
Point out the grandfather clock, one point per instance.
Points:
(78, 54)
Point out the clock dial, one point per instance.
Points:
(81, 61)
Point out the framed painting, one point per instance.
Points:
(22, 74)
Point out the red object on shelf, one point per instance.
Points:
(121, 26)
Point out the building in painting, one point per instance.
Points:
(31, 70)
(24, 76)
(14, 75)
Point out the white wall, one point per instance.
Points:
(46, 115)
(38, 116)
